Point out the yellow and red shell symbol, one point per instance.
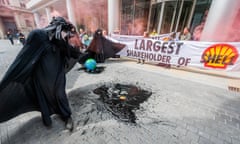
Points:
(219, 56)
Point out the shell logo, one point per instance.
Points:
(219, 56)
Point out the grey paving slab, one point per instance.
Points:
(185, 107)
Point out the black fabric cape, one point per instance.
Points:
(36, 80)
(102, 48)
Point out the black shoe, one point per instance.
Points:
(69, 124)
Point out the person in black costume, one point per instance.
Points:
(101, 48)
(36, 79)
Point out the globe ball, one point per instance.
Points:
(90, 64)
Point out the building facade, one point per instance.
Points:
(86, 14)
(133, 17)
(15, 17)
(163, 16)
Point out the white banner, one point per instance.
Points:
(207, 55)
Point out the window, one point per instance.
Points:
(134, 16)
(155, 16)
(200, 13)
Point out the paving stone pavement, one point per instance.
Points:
(7, 54)
(185, 108)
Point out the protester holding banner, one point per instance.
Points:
(153, 33)
(186, 34)
(145, 35)
(197, 32)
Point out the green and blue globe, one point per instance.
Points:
(90, 64)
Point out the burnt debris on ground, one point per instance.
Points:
(121, 100)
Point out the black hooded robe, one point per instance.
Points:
(102, 48)
(36, 80)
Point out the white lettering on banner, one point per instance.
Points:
(207, 55)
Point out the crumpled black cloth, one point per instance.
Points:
(36, 80)
(102, 48)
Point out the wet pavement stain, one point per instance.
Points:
(121, 100)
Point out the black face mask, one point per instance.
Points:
(98, 33)
(57, 25)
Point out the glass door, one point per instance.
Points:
(173, 18)
(176, 15)
(184, 16)
(134, 16)
(155, 17)
(170, 14)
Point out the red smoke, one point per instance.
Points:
(223, 22)
(231, 32)
(135, 27)
(55, 10)
(91, 14)
(234, 30)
